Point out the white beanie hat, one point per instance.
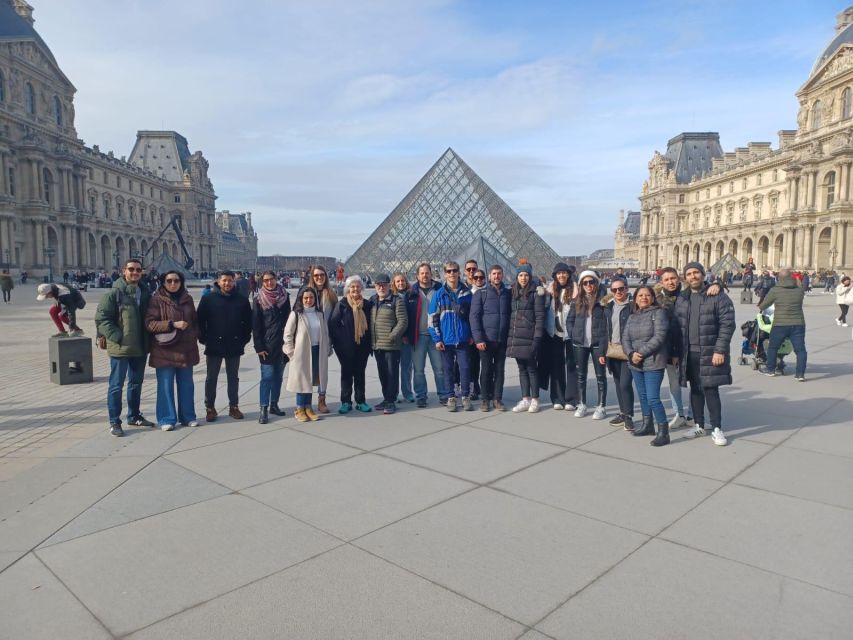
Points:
(588, 273)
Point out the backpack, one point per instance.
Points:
(77, 297)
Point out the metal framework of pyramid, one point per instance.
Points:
(727, 263)
(487, 255)
(448, 210)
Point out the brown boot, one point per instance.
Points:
(499, 405)
(321, 403)
(211, 414)
(313, 417)
(300, 414)
(234, 412)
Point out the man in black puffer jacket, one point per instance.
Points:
(224, 327)
(707, 324)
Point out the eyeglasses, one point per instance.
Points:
(618, 289)
(451, 271)
(133, 269)
(470, 269)
(479, 277)
(173, 281)
(588, 283)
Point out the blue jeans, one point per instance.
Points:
(457, 354)
(303, 399)
(406, 370)
(134, 370)
(797, 334)
(425, 346)
(167, 377)
(648, 388)
(675, 398)
(271, 377)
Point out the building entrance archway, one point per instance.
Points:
(824, 259)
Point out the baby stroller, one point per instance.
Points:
(756, 340)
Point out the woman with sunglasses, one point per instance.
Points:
(618, 310)
(478, 279)
(327, 299)
(269, 315)
(171, 318)
(561, 359)
(400, 287)
(646, 343)
(589, 340)
(307, 347)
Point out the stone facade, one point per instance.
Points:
(789, 206)
(71, 206)
(626, 243)
(238, 242)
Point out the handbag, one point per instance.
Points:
(166, 339)
(615, 351)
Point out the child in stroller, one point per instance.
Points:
(756, 337)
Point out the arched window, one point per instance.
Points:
(846, 100)
(57, 111)
(47, 181)
(817, 115)
(30, 99)
(829, 184)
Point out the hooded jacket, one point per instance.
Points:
(448, 315)
(788, 296)
(716, 328)
(527, 323)
(490, 314)
(122, 322)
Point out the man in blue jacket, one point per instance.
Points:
(448, 313)
(490, 315)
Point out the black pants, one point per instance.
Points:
(232, 367)
(388, 367)
(844, 309)
(624, 389)
(582, 357)
(492, 363)
(528, 376)
(474, 364)
(564, 371)
(7, 295)
(701, 396)
(352, 376)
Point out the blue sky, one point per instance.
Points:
(320, 116)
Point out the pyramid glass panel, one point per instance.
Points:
(445, 214)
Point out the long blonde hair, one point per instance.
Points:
(326, 296)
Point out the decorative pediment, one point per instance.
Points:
(840, 62)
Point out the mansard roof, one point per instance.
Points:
(692, 154)
(632, 223)
(15, 27)
(844, 37)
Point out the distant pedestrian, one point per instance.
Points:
(63, 311)
(269, 316)
(120, 319)
(6, 285)
(172, 320)
(844, 298)
(788, 322)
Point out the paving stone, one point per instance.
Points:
(791, 536)
(831, 432)
(630, 495)
(555, 427)
(668, 592)
(804, 474)
(473, 454)
(355, 496)
(238, 464)
(136, 442)
(512, 555)
(372, 431)
(135, 574)
(534, 635)
(699, 457)
(38, 481)
(345, 593)
(159, 487)
(36, 605)
(225, 429)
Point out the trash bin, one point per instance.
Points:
(70, 360)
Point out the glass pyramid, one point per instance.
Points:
(449, 209)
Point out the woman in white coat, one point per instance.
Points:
(307, 346)
(844, 298)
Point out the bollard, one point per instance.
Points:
(70, 360)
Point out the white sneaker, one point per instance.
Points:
(838, 322)
(192, 423)
(580, 412)
(534, 406)
(523, 405)
(569, 406)
(167, 427)
(719, 437)
(689, 422)
(844, 324)
(677, 422)
(695, 432)
(558, 406)
(600, 413)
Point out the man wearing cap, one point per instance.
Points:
(120, 318)
(388, 324)
(63, 310)
(451, 332)
(706, 325)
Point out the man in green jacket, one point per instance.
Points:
(788, 321)
(6, 285)
(120, 319)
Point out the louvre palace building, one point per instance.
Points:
(790, 206)
(70, 206)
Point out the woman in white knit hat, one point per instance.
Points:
(589, 340)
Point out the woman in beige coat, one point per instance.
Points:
(307, 346)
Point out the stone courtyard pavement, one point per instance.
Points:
(424, 524)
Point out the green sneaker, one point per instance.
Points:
(346, 407)
(363, 407)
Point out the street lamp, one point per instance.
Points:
(49, 252)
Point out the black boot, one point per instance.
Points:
(662, 437)
(628, 423)
(265, 415)
(275, 410)
(647, 428)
